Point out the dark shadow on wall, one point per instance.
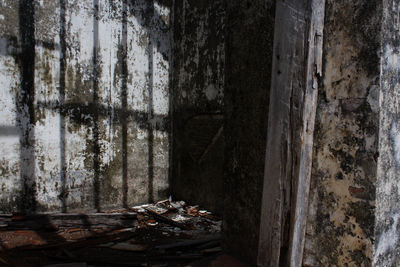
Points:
(62, 64)
(198, 106)
(25, 106)
(95, 129)
(150, 134)
(124, 103)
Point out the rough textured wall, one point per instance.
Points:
(85, 103)
(387, 248)
(250, 26)
(198, 78)
(340, 230)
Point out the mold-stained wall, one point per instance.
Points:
(198, 78)
(84, 103)
(340, 230)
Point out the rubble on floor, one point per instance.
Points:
(167, 233)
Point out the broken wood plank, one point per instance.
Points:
(93, 241)
(72, 264)
(302, 185)
(186, 256)
(210, 244)
(167, 220)
(212, 250)
(188, 243)
(287, 85)
(106, 260)
(56, 221)
(128, 247)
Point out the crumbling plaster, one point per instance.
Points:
(340, 229)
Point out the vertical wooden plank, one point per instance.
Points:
(313, 72)
(288, 60)
(295, 73)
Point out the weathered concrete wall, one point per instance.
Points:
(198, 78)
(250, 31)
(340, 230)
(387, 239)
(85, 103)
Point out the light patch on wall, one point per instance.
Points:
(110, 31)
(9, 133)
(48, 162)
(211, 92)
(390, 57)
(161, 158)
(388, 239)
(81, 33)
(370, 143)
(8, 80)
(395, 136)
(137, 58)
(9, 162)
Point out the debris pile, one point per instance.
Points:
(166, 233)
(178, 215)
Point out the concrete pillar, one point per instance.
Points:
(353, 203)
(340, 227)
(354, 207)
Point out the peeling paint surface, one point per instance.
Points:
(388, 186)
(100, 105)
(340, 227)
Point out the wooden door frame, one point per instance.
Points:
(296, 71)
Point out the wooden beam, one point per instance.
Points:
(294, 87)
(67, 220)
(289, 40)
(314, 73)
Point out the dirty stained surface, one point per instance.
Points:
(85, 91)
(106, 105)
(340, 228)
(161, 234)
(387, 249)
(198, 78)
